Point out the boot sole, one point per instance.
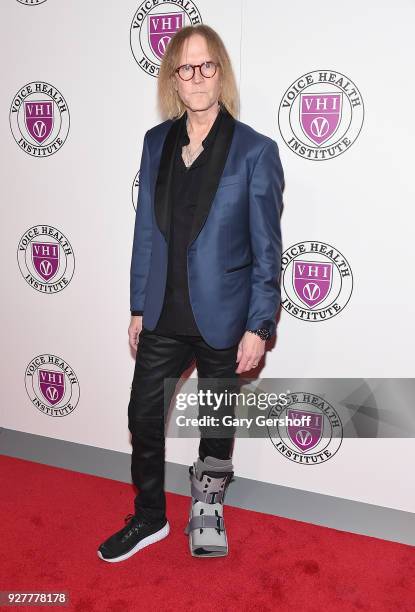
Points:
(210, 555)
(151, 539)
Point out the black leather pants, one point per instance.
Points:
(160, 357)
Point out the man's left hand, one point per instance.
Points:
(250, 351)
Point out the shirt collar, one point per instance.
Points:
(211, 134)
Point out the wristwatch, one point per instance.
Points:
(262, 332)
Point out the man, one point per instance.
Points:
(205, 273)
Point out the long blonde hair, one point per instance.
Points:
(170, 104)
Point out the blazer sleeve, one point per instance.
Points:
(265, 206)
(143, 230)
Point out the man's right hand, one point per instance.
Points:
(134, 330)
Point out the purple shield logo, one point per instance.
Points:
(312, 281)
(52, 385)
(320, 115)
(305, 437)
(45, 257)
(161, 28)
(39, 119)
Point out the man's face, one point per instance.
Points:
(199, 93)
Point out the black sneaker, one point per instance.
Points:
(136, 534)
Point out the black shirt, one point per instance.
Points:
(177, 315)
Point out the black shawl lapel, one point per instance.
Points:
(162, 199)
(212, 173)
(211, 176)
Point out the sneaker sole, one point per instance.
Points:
(151, 539)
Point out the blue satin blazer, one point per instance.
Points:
(234, 252)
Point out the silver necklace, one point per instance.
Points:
(191, 156)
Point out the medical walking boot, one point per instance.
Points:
(206, 528)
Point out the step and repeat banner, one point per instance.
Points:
(332, 87)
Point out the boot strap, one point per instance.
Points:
(205, 520)
(210, 489)
(209, 497)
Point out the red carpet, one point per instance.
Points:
(53, 520)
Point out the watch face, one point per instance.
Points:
(262, 332)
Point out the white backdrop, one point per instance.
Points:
(360, 202)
